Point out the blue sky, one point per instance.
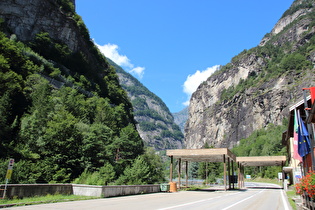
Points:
(171, 46)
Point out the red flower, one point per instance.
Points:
(306, 185)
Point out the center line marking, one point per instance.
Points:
(191, 203)
(242, 200)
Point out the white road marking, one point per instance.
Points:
(191, 203)
(284, 200)
(243, 200)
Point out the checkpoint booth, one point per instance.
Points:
(203, 155)
(230, 162)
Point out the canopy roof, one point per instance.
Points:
(262, 160)
(202, 155)
(218, 154)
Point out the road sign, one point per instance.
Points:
(8, 176)
(280, 176)
(10, 169)
(11, 163)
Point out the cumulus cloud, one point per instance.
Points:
(193, 81)
(111, 52)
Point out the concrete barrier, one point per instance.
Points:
(31, 190)
(115, 190)
(110, 191)
(87, 190)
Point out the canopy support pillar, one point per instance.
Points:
(186, 174)
(224, 172)
(171, 169)
(179, 171)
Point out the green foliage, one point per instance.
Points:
(66, 5)
(305, 4)
(160, 121)
(146, 169)
(147, 126)
(205, 170)
(193, 170)
(211, 171)
(155, 164)
(295, 61)
(75, 133)
(137, 174)
(62, 115)
(44, 199)
(103, 176)
(263, 142)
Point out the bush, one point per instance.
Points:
(103, 176)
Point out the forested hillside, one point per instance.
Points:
(155, 123)
(63, 111)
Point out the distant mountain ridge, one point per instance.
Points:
(181, 118)
(155, 123)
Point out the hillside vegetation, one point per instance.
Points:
(155, 123)
(63, 113)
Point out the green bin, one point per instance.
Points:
(165, 187)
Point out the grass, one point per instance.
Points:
(44, 199)
(194, 187)
(291, 194)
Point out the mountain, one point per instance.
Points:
(155, 123)
(258, 85)
(180, 118)
(63, 111)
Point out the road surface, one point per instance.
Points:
(256, 196)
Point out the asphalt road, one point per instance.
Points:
(256, 196)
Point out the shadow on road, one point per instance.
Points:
(265, 187)
(216, 189)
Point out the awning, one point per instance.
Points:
(202, 155)
(262, 160)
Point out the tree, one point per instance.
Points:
(155, 165)
(126, 147)
(137, 174)
(95, 138)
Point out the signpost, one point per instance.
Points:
(8, 176)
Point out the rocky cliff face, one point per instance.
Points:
(258, 97)
(155, 123)
(25, 20)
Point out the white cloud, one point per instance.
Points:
(111, 52)
(193, 81)
(138, 71)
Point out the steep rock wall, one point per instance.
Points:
(223, 123)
